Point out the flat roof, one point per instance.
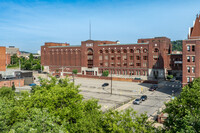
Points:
(64, 46)
(122, 44)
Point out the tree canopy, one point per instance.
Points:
(184, 111)
(58, 107)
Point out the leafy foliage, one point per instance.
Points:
(26, 64)
(170, 76)
(58, 107)
(75, 71)
(105, 73)
(184, 111)
(177, 45)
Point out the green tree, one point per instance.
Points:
(31, 57)
(177, 45)
(27, 66)
(169, 76)
(59, 107)
(14, 59)
(184, 111)
(75, 71)
(105, 73)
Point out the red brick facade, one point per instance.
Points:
(9, 83)
(149, 58)
(191, 54)
(2, 58)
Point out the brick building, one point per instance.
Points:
(148, 58)
(2, 58)
(191, 53)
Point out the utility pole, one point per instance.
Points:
(111, 81)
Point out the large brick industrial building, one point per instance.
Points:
(148, 58)
(191, 53)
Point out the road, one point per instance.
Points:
(157, 98)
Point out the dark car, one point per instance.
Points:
(153, 87)
(137, 101)
(143, 97)
(105, 84)
(137, 78)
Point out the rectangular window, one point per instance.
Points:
(193, 58)
(188, 69)
(137, 64)
(131, 57)
(131, 64)
(124, 57)
(138, 57)
(125, 64)
(144, 57)
(144, 64)
(106, 63)
(188, 48)
(101, 64)
(155, 57)
(119, 58)
(112, 64)
(193, 69)
(188, 79)
(188, 58)
(193, 48)
(100, 57)
(106, 57)
(112, 58)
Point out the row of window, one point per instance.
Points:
(124, 64)
(124, 57)
(190, 57)
(126, 72)
(189, 48)
(193, 69)
(190, 78)
(125, 51)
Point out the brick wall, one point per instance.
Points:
(2, 58)
(9, 83)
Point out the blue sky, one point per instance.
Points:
(28, 24)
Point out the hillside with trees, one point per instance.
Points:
(177, 45)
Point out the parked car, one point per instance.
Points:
(153, 88)
(137, 78)
(33, 84)
(172, 80)
(137, 101)
(143, 97)
(105, 84)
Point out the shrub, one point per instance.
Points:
(105, 73)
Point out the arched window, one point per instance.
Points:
(131, 51)
(112, 51)
(138, 51)
(100, 51)
(145, 50)
(156, 50)
(118, 51)
(106, 51)
(125, 51)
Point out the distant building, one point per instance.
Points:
(11, 50)
(2, 58)
(191, 53)
(148, 58)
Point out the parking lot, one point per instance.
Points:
(121, 91)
